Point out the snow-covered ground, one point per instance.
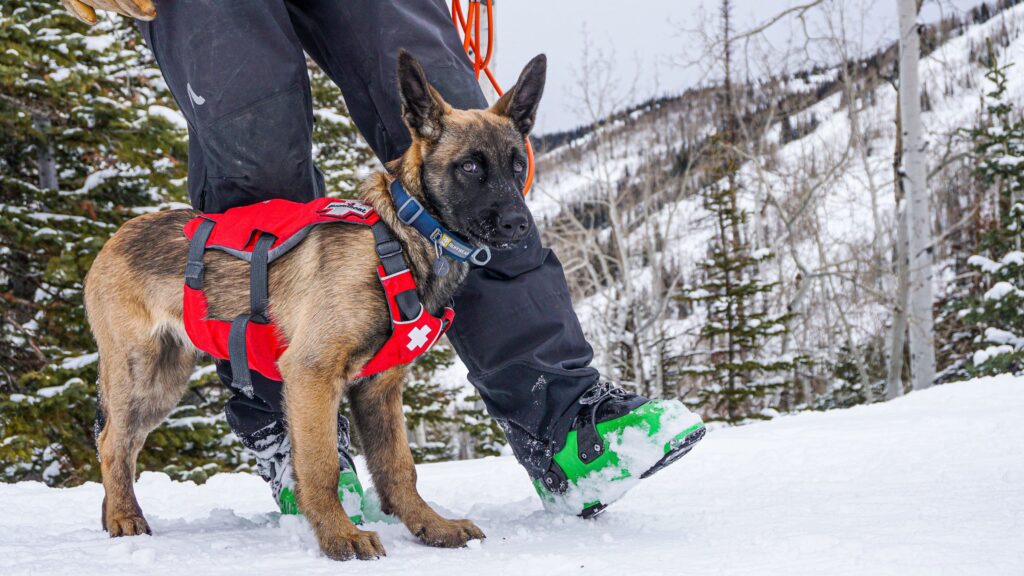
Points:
(929, 484)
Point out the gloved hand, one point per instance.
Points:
(85, 10)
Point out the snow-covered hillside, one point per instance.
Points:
(929, 484)
(818, 188)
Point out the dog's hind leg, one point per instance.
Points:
(140, 383)
(377, 410)
(311, 398)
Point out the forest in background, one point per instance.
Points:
(737, 246)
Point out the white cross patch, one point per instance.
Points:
(418, 337)
(340, 209)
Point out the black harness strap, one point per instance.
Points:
(389, 251)
(196, 249)
(237, 355)
(259, 278)
(258, 302)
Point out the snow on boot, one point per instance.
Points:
(617, 439)
(273, 449)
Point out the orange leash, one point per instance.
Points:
(468, 25)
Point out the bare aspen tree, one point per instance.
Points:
(897, 340)
(914, 175)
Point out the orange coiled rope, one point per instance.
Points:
(468, 25)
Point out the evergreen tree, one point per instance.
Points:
(89, 141)
(446, 421)
(339, 151)
(739, 380)
(994, 311)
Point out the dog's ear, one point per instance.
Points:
(521, 102)
(422, 107)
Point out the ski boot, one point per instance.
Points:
(272, 447)
(617, 439)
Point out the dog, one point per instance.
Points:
(467, 168)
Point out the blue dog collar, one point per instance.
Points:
(412, 213)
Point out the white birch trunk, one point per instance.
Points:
(921, 327)
(894, 376)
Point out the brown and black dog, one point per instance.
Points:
(467, 167)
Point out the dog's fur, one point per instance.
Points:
(467, 167)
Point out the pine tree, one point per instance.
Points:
(994, 311)
(427, 406)
(445, 421)
(89, 138)
(89, 141)
(339, 151)
(739, 380)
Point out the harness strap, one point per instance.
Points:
(238, 354)
(389, 251)
(258, 304)
(259, 278)
(196, 249)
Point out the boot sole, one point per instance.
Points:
(675, 453)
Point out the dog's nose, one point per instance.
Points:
(513, 225)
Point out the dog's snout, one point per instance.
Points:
(513, 225)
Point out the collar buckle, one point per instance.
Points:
(416, 204)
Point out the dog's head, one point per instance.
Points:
(472, 163)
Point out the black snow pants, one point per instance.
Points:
(237, 71)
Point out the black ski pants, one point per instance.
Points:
(237, 71)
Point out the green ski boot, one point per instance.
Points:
(617, 439)
(350, 493)
(273, 450)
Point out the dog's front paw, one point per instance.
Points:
(359, 544)
(448, 533)
(126, 525)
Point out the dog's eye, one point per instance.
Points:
(518, 167)
(469, 166)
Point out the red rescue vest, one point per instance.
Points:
(260, 233)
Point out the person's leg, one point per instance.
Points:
(516, 330)
(238, 74)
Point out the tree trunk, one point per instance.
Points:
(914, 175)
(898, 341)
(44, 157)
(898, 338)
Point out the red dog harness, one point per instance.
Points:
(259, 234)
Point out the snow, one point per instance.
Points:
(833, 206)
(173, 116)
(328, 115)
(929, 484)
(99, 43)
(985, 354)
(77, 362)
(999, 291)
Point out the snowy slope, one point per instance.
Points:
(839, 194)
(929, 484)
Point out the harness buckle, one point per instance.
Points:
(389, 248)
(194, 274)
(411, 219)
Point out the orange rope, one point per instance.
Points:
(468, 25)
